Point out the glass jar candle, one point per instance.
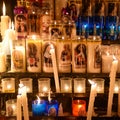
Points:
(79, 85)
(66, 84)
(43, 85)
(79, 108)
(64, 55)
(94, 54)
(33, 53)
(28, 83)
(8, 85)
(39, 107)
(79, 55)
(18, 63)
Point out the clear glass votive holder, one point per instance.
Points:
(52, 108)
(66, 84)
(79, 85)
(100, 84)
(39, 107)
(43, 85)
(79, 108)
(28, 83)
(11, 107)
(8, 85)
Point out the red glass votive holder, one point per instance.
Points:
(79, 108)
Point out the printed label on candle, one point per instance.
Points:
(94, 57)
(47, 60)
(45, 21)
(64, 56)
(18, 56)
(79, 57)
(33, 55)
(21, 24)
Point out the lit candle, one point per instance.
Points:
(91, 100)
(111, 87)
(49, 95)
(4, 21)
(55, 70)
(52, 108)
(39, 107)
(33, 52)
(18, 63)
(79, 107)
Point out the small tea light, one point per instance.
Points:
(79, 85)
(43, 85)
(8, 85)
(39, 107)
(11, 106)
(66, 84)
(99, 85)
(28, 83)
(79, 107)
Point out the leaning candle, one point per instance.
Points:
(91, 100)
(111, 88)
(25, 103)
(4, 21)
(55, 70)
(119, 101)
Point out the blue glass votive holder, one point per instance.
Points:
(39, 107)
(52, 108)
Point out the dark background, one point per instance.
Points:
(10, 4)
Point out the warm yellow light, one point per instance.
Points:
(4, 9)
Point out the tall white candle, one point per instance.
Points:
(111, 87)
(119, 102)
(91, 100)
(4, 21)
(25, 104)
(55, 70)
(19, 114)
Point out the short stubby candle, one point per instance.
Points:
(79, 108)
(39, 107)
(52, 108)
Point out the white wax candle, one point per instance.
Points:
(25, 103)
(119, 102)
(111, 87)
(106, 63)
(55, 70)
(91, 100)
(19, 114)
(4, 21)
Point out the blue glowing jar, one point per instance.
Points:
(39, 107)
(52, 108)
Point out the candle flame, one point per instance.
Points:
(114, 58)
(107, 53)
(38, 99)
(4, 9)
(92, 82)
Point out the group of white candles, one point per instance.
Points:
(111, 92)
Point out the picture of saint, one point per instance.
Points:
(55, 33)
(97, 57)
(47, 55)
(32, 55)
(80, 54)
(66, 53)
(21, 23)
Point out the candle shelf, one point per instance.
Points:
(100, 104)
